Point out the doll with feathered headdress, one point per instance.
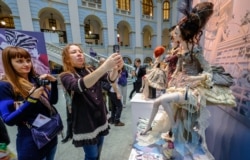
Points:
(155, 79)
(191, 77)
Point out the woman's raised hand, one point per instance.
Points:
(114, 61)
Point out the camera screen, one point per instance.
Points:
(116, 48)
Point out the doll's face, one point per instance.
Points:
(177, 34)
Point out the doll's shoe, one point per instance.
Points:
(146, 131)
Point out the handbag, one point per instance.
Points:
(106, 85)
(44, 134)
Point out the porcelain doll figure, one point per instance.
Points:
(191, 84)
(193, 73)
(155, 77)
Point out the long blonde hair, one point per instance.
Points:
(19, 84)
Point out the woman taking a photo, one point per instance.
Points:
(88, 107)
(23, 98)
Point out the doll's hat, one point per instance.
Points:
(159, 50)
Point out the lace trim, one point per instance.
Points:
(91, 135)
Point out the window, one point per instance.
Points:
(123, 4)
(147, 7)
(52, 22)
(6, 22)
(166, 10)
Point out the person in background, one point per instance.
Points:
(140, 71)
(104, 93)
(23, 98)
(89, 111)
(122, 83)
(116, 100)
(68, 98)
(133, 78)
(115, 97)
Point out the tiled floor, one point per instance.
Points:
(117, 145)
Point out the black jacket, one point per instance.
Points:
(140, 74)
(4, 137)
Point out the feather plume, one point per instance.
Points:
(186, 7)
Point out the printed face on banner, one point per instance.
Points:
(33, 42)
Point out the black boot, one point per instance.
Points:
(67, 138)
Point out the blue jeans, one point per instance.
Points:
(51, 154)
(93, 152)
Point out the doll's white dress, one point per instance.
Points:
(191, 117)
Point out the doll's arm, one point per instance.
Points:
(203, 62)
(178, 67)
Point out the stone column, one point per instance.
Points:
(138, 39)
(159, 24)
(74, 21)
(25, 15)
(110, 23)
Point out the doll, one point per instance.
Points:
(192, 75)
(168, 147)
(155, 78)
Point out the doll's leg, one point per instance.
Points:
(142, 83)
(145, 92)
(165, 101)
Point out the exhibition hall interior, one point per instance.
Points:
(189, 97)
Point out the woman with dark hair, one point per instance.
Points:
(139, 72)
(190, 80)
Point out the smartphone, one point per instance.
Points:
(116, 48)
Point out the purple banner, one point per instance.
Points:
(33, 42)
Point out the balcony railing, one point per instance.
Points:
(147, 17)
(92, 4)
(124, 12)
